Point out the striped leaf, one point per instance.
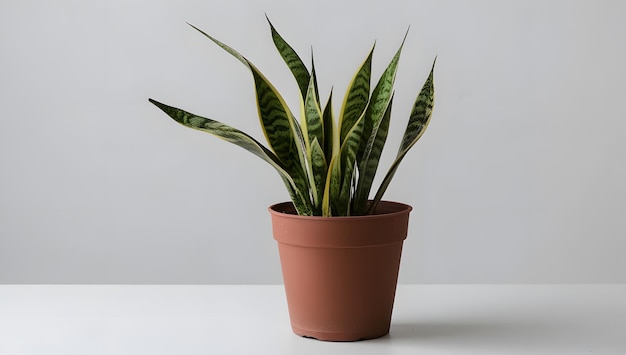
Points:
(356, 97)
(295, 64)
(282, 131)
(241, 139)
(375, 132)
(332, 187)
(369, 162)
(319, 170)
(312, 116)
(279, 126)
(314, 79)
(312, 134)
(379, 100)
(418, 122)
(330, 134)
(343, 170)
(420, 114)
(278, 123)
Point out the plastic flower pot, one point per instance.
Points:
(340, 273)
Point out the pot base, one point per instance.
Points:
(337, 337)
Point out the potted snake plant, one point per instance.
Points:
(339, 248)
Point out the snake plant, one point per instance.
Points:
(328, 168)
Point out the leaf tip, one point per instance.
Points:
(272, 28)
(406, 34)
(194, 27)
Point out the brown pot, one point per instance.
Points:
(340, 273)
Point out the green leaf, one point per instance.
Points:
(333, 178)
(313, 134)
(312, 116)
(319, 170)
(314, 79)
(420, 114)
(369, 162)
(329, 129)
(228, 49)
(356, 97)
(279, 126)
(343, 170)
(376, 127)
(418, 122)
(241, 139)
(282, 131)
(278, 123)
(293, 61)
(379, 99)
(332, 187)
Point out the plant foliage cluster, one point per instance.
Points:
(327, 167)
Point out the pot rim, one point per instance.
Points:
(383, 210)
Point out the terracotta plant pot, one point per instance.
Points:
(340, 273)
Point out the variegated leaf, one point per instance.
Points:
(418, 121)
(420, 114)
(332, 170)
(379, 100)
(241, 139)
(356, 97)
(293, 61)
(375, 132)
(313, 116)
(369, 161)
(342, 184)
(277, 122)
(314, 79)
(319, 169)
(330, 134)
(279, 126)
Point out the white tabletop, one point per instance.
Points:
(216, 319)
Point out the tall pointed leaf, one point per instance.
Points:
(375, 132)
(295, 64)
(314, 79)
(277, 122)
(343, 169)
(313, 116)
(356, 97)
(279, 126)
(369, 162)
(418, 122)
(420, 115)
(331, 184)
(319, 171)
(241, 139)
(379, 100)
(329, 129)
(313, 134)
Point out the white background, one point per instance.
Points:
(519, 178)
